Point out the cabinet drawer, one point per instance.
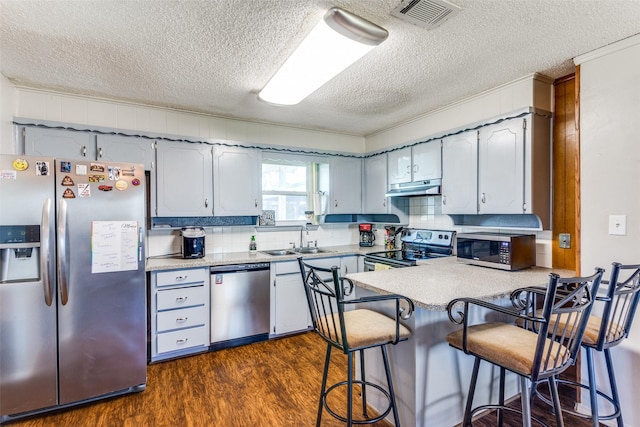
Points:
(182, 277)
(286, 267)
(184, 338)
(182, 297)
(184, 318)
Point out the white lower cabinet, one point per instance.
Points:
(179, 312)
(289, 306)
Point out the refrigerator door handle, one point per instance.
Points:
(62, 251)
(45, 252)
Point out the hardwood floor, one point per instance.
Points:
(274, 383)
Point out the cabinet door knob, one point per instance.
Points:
(206, 203)
(84, 151)
(182, 340)
(181, 278)
(255, 203)
(181, 299)
(181, 319)
(336, 205)
(444, 199)
(483, 198)
(100, 152)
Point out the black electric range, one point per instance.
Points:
(417, 244)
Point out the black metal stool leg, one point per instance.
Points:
(593, 389)
(327, 360)
(501, 398)
(364, 385)
(525, 402)
(553, 386)
(349, 389)
(472, 389)
(614, 387)
(392, 392)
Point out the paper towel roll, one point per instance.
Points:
(319, 203)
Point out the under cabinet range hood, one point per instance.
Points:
(430, 187)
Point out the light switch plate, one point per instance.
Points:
(565, 240)
(618, 225)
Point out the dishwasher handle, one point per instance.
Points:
(237, 268)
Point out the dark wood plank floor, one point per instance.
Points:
(274, 383)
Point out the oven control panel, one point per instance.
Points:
(428, 237)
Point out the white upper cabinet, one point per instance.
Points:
(183, 185)
(237, 179)
(418, 163)
(375, 185)
(504, 168)
(460, 173)
(118, 148)
(78, 145)
(67, 144)
(345, 185)
(399, 166)
(501, 168)
(426, 161)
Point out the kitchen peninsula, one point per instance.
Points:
(431, 378)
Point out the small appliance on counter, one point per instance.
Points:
(506, 251)
(193, 242)
(367, 237)
(391, 234)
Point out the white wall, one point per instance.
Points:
(530, 91)
(60, 107)
(7, 103)
(610, 175)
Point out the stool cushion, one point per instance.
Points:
(508, 346)
(591, 332)
(364, 328)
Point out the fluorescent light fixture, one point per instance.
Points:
(337, 41)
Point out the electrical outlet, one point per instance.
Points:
(618, 225)
(565, 240)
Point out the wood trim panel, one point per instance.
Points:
(566, 173)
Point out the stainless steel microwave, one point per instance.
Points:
(506, 251)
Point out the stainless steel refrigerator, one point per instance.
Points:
(72, 282)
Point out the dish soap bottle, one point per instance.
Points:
(252, 244)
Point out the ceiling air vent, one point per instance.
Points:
(425, 13)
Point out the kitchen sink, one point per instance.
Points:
(278, 252)
(281, 252)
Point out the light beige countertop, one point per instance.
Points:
(176, 262)
(435, 282)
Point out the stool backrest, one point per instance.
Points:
(325, 295)
(565, 313)
(620, 304)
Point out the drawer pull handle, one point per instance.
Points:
(181, 299)
(181, 319)
(182, 340)
(180, 278)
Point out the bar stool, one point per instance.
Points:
(536, 354)
(606, 330)
(352, 331)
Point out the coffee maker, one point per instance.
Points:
(367, 237)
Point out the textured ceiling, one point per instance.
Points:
(213, 56)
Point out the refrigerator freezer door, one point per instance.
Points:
(102, 317)
(28, 355)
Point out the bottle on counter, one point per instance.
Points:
(252, 244)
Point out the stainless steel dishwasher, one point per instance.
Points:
(239, 304)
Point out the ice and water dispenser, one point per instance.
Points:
(19, 253)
